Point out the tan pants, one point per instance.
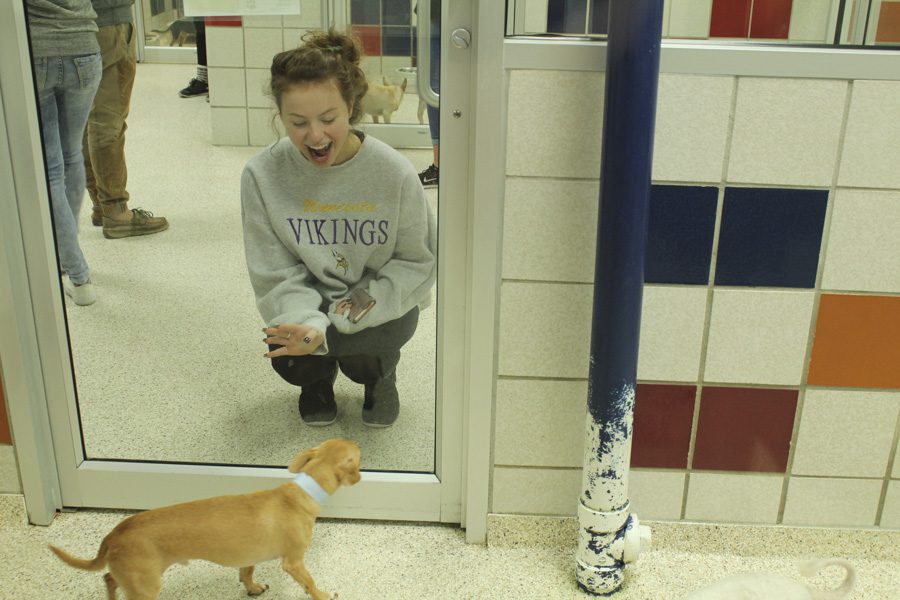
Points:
(104, 137)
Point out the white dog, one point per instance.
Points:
(382, 99)
(769, 586)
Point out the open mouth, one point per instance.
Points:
(321, 153)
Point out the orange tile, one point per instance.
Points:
(857, 342)
(888, 23)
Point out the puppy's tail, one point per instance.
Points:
(813, 567)
(80, 563)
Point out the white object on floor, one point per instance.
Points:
(82, 295)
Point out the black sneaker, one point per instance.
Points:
(195, 88)
(382, 403)
(429, 177)
(316, 404)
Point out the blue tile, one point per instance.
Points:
(364, 12)
(680, 234)
(396, 41)
(770, 237)
(396, 12)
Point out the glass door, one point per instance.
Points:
(158, 392)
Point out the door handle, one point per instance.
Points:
(423, 52)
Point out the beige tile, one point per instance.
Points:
(896, 473)
(310, 15)
(261, 46)
(227, 87)
(693, 114)
(671, 333)
(832, 502)
(261, 123)
(656, 495)
(863, 248)
(890, 515)
(229, 126)
(872, 140)
(554, 123)
(809, 21)
(731, 498)
(9, 471)
(225, 46)
(550, 229)
(758, 336)
(536, 491)
(270, 21)
(258, 89)
(833, 443)
(689, 18)
(786, 131)
(540, 423)
(545, 329)
(292, 37)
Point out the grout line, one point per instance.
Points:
(879, 516)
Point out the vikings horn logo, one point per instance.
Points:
(342, 262)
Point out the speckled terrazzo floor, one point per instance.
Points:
(525, 559)
(168, 362)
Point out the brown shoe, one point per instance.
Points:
(97, 217)
(142, 222)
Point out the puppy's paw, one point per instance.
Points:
(257, 589)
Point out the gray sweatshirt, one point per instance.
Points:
(62, 28)
(311, 235)
(112, 12)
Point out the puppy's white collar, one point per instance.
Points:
(311, 487)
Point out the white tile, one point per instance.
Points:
(229, 126)
(536, 491)
(890, 515)
(265, 127)
(730, 498)
(656, 495)
(863, 248)
(550, 229)
(693, 114)
(690, 18)
(292, 38)
(536, 16)
(227, 87)
(846, 433)
(545, 329)
(9, 471)
(270, 21)
(261, 46)
(896, 473)
(258, 89)
(758, 336)
(310, 15)
(872, 142)
(786, 131)
(809, 21)
(832, 502)
(540, 423)
(554, 123)
(671, 333)
(667, 10)
(225, 46)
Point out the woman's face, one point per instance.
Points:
(318, 122)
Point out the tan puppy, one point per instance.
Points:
(382, 100)
(234, 531)
(770, 586)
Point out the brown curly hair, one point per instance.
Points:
(323, 55)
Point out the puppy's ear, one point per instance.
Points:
(403, 85)
(301, 459)
(347, 472)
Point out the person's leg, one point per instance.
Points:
(430, 176)
(105, 139)
(315, 376)
(199, 85)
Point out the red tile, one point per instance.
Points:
(730, 18)
(223, 21)
(888, 23)
(5, 437)
(662, 426)
(370, 36)
(771, 19)
(745, 429)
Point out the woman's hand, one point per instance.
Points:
(294, 339)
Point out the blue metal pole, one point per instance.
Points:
(609, 535)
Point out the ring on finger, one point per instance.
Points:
(307, 339)
(288, 336)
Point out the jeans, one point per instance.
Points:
(104, 140)
(66, 86)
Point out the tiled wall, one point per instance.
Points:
(9, 476)
(790, 20)
(240, 54)
(769, 369)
